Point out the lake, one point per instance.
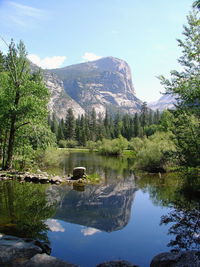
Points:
(126, 216)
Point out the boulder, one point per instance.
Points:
(79, 172)
(56, 180)
(179, 259)
(121, 263)
(12, 248)
(44, 260)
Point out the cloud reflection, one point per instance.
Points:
(54, 225)
(89, 231)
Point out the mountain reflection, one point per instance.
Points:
(104, 207)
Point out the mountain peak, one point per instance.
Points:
(99, 84)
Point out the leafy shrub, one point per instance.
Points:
(156, 152)
(136, 144)
(91, 145)
(113, 147)
(94, 177)
(67, 143)
(52, 156)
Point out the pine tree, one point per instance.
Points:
(144, 115)
(69, 125)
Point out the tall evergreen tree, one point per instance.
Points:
(69, 125)
(144, 115)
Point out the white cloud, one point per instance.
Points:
(54, 225)
(89, 231)
(24, 16)
(47, 62)
(88, 56)
(26, 10)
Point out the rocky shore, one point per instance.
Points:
(16, 251)
(39, 177)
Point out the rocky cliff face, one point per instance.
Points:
(60, 102)
(99, 84)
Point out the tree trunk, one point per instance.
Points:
(12, 134)
(10, 145)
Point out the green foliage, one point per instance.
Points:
(24, 210)
(155, 152)
(67, 144)
(166, 120)
(52, 156)
(136, 144)
(69, 130)
(23, 105)
(151, 129)
(185, 85)
(187, 132)
(92, 146)
(94, 177)
(90, 127)
(113, 147)
(197, 4)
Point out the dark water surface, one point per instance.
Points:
(124, 217)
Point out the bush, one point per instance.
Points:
(91, 145)
(156, 152)
(136, 144)
(52, 156)
(113, 147)
(67, 143)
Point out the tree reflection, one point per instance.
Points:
(180, 192)
(24, 209)
(185, 227)
(185, 215)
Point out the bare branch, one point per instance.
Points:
(23, 124)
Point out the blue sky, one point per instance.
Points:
(64, 32)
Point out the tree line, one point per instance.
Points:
(93, 127)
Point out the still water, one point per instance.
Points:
(124, 217)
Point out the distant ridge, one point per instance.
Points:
(164, 102)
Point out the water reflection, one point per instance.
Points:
(105, 207)
(185, 227)
(107, 167)
(24, 209)
(180, 193)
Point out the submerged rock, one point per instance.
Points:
(15, 251)
(44, 260)
(180, 259)
(12, 248)
(117, 264)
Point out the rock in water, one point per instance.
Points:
(44, 260)
(79, 172)
(180, 259)
(12, 247)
